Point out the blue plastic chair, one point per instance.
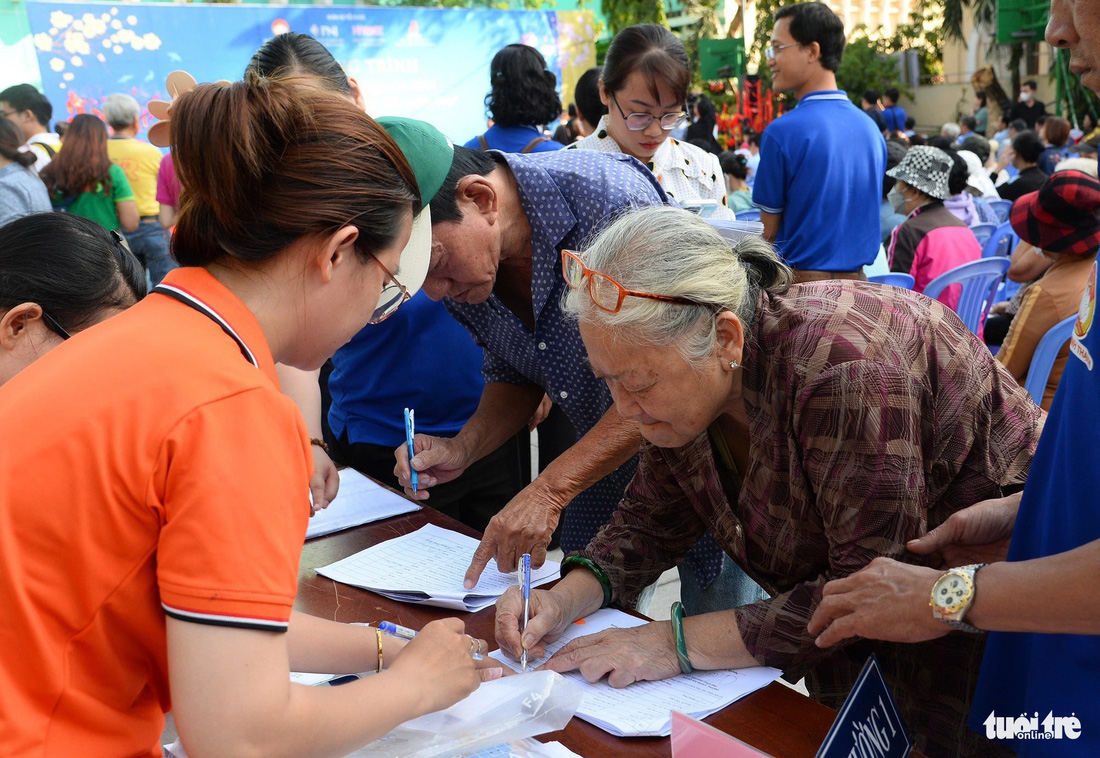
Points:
(979, 280)
(894, 279)
(1001, 208)
(1001, 242)
(1046, 352)
(983, 232)
(752, 214)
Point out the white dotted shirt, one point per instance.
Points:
(686, 172)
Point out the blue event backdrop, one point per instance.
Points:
(425, 63)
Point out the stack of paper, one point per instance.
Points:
(734, 231)
(644, 709)
(359, 501)
(428, 567)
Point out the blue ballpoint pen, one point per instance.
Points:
(410, 421)
(404, 633)
(396, 630)
(525, 581)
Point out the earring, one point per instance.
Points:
(734, 365)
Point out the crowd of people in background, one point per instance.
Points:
(810, 449)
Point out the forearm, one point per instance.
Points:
(504, 410)
(232, 696)
(1056, 594)
(304, 389)
(771, 222)
(714, 642)
(609, 444)
(581, 592)
(316, 645)
(168, 215)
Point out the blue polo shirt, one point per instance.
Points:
(512, 139)
(1054, 674)
(418, 358)
(894, 116)
(822, 166)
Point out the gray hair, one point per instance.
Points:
(120, 110)
(950, 130)
(670, 251)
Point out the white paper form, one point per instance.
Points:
(359, 501)
(428, 566)
(644, 709)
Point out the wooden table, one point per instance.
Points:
(776, 719)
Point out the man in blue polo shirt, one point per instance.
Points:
(821, 165)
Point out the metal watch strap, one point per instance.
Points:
(962, 626)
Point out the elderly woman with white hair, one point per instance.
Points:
(140, 161)
(810, 428)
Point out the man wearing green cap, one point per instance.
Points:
(419, 358)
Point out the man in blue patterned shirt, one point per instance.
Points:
(499, 224)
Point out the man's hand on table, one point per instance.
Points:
(524, 525)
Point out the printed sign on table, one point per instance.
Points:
(869, 725)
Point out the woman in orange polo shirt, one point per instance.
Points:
(153, 477)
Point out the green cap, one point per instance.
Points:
(426, 149)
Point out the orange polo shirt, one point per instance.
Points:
(147, 467)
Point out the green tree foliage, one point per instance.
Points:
(865, 65)
(623, 13)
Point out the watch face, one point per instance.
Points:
(952, 591)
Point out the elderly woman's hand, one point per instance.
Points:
(549, 615)
(624, 656)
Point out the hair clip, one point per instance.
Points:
(178, 83)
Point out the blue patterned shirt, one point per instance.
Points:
(568, 196)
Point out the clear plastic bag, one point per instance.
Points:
(498, 712)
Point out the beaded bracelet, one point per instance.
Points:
(319, 443)
(678, 633)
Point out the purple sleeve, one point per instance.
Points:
(168, 186)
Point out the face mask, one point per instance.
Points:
(1025, 97)
(897, 200)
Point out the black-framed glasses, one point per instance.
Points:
(771, 50)
(53, 325)
(394, 294)
(8, 114)
(636, 122)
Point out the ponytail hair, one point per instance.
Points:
(11, 139)
(266, 163)
(294, 53)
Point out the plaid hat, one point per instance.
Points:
(1063, 216)
(430, 155)
(925, 169)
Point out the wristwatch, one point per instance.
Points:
(952, 596)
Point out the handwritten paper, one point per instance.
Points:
(428, 567)
(643, 709)
(359, 501)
